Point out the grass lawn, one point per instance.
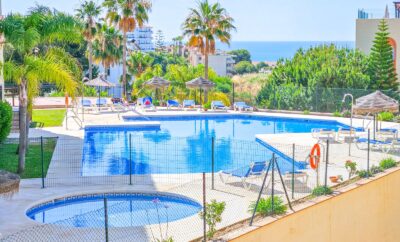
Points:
(48, 117)
(33, 165)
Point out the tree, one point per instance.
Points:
(107, 48)
(245, 67)
(261, 65)
(159, 41)
(382, 69)
(240, 55)
(127, 15)
(28, 65)
(89, 12)
(205, 25)
(177, 45)
(138, 62)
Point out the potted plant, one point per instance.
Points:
(336, 179)
(351, 167)
(207, 106)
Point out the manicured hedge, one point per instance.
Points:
(5, 120)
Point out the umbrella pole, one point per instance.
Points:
(98, 104)
(374, 126)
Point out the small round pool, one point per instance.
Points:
(123, 209)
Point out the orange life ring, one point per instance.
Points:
(315, 158)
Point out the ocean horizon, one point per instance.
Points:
(275, 50)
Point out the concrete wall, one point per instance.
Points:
(368, 213)
(365, 34)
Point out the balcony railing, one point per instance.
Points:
(376, 13)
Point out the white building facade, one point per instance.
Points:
(367, 26)
(141, 39)
(220, 62)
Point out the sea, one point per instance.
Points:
(275, 50)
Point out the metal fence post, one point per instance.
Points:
(293, 170)
(106, 219)
(273, 184)
(130, 159)
(204, 208)
(327, 162)
(42, 159)
(369, 141)
(212, 162)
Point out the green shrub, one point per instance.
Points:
(264, 207)
(207, 105)
(387, 163)
(213, 216)
(321, 190)
(306, 112)
(386, 116)
(376, 169)
(364, 173)
(347, 114)
(337, 114)
(351, 167)
(5, 120)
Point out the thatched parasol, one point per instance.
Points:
(157, 82)
(100, 81)
(9, 183)
(375, 103)
(200, 83)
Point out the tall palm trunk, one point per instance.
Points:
(23, 134)
(124, 65)
(206, 70)
(90, 48)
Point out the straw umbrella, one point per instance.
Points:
(200, 83)
(157, 82)
(375, 103)
(99, 82)
(9, 183)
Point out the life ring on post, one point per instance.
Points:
(315, 156)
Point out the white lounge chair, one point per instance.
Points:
(255, 170)
(323, 134)
(242, 106)
(218, 105)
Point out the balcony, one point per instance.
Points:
(376, 13)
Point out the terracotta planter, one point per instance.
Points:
(334, 179)
(205, 109)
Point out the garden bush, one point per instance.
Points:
(364, 173)
(386, 116)
(321, 190)
(387, 163)
(264, 207)
(5, 120)
(376, 169)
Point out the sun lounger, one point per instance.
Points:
(87, 105)
(147, 103)
(297, 175)
(188, 104)
(173, 104)
(344, 134)
(384, 146)
(255, 170)
(387, 133)
(323, 134)
(242, 106)
(218, 105)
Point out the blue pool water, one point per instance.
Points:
(124, 209)
(183, 144)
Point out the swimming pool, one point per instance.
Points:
(124, 209)
(183, 144)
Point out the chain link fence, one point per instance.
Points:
(234, 172)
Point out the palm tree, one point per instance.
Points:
(205, 25)
(107, 48)
(89, 12)
(28, 66)
(138, 62)
(126, 15)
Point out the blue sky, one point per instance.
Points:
(256, 20)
